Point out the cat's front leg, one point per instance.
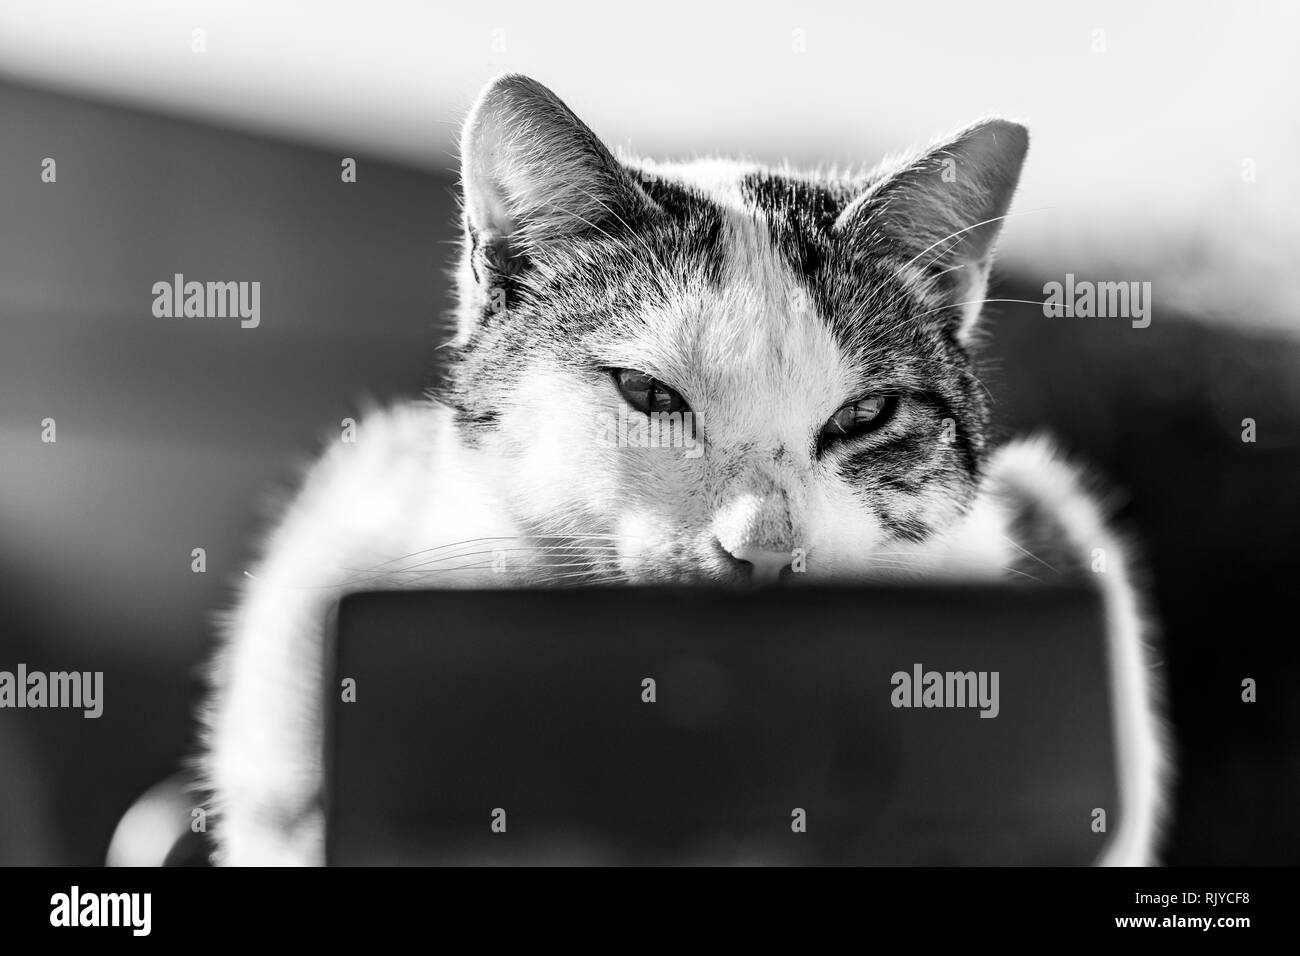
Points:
(264, 757)
(365, 514)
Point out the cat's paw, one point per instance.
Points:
(270, 837)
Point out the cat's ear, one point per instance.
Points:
(941, 212)
(534, 174)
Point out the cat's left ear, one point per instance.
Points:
(535, 176)
(942, 212)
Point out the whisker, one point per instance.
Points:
(552, 550)
(511, 537)
(1025, 574)
(959, 232)
(954, 305)
(488, 564)
(592, 574)
(1023, 550)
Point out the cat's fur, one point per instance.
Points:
(768, 299)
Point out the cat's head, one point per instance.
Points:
(804, 336)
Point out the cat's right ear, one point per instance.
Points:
(534, 175)
(943, 211)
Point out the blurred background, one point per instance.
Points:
(206, 139)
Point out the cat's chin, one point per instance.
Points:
(734, 578)
(675, 577)
(732, 574)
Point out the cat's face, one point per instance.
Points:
(713, 371)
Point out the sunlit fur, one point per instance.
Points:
(767, 299)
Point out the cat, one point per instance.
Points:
(815, 330)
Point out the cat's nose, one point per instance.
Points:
(762, 565)
(756, 531)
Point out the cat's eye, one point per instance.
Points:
(646, 394)
(859, 418)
